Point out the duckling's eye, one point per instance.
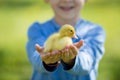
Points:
(71, 31)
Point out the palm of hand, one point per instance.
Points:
(66, 54)
(48, 57)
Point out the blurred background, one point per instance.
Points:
(17, 15)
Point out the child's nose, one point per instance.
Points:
(67, 0)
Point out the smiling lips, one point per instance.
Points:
(66, 8)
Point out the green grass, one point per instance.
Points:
(14, 22)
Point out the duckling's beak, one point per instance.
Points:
(74, 36)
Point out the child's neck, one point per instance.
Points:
(62, 21)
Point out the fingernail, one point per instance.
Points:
(36, 44)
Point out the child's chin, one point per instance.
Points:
(68, 17)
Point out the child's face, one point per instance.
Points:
(66, 9)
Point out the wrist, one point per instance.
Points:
(50, 67)
(53, 64)
(68, 65)
(49, 62)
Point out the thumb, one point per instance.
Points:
(79, 44)
(39, 48)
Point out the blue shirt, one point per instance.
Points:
(86, 62)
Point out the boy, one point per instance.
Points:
(77, 62)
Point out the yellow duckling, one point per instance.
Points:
(60, 40)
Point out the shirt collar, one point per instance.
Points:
(55, 23)
(58, 26)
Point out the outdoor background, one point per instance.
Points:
(17, 15)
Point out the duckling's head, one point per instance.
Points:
(67, 31)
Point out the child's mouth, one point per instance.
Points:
(66, 8)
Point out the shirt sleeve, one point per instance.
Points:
(35, 36)
(90, 53)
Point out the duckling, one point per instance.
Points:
(60, 40)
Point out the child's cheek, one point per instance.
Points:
(53, 2)
(80, 3)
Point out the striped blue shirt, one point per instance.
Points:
(86, 62)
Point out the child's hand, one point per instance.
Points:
(49, 57)
(70, 52)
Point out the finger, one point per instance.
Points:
(45, 56)
(74, 50)
(53, 56)
(67, 50)
(59, 55)
(48, 57)
(56, 57)
(62, 55)
(55, 52)
(72, 55)
(79, 44)
(66, 53)
(63, 51)
(48, 54)
(39, 48)
(59, 52)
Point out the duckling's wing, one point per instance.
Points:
(50, 42)
(62, 43)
